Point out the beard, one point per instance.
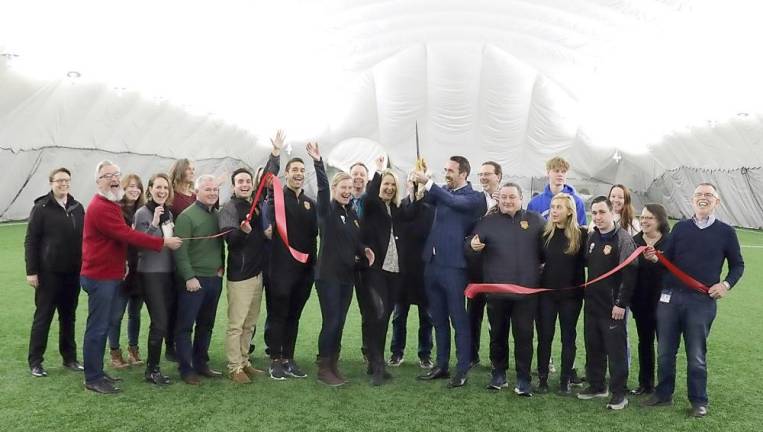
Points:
(113, 197)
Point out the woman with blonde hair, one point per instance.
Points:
(564, 258)
(341, 251)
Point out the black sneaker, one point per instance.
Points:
(575, 380)
(656, 401)
(74, 365)
(523, 390)
(291, 369)
(102, 386)
(591, 393)
(617, 402)
(395, 360)
(542, 386)
(564, 389)
(458, 380)
(497, 380)
(426, 363)
(698, 411)
(155, 377)
(39, 371)
(277, 371)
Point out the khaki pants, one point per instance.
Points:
(244, 298)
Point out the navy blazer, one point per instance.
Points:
(455, 216)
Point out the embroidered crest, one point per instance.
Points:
(590, 248)
(524, 224)
(307, 205)
(607, 250)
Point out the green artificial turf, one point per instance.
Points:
(60, 403)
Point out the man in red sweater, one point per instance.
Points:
(104, 250)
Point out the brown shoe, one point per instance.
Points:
(326, 374)
(133, 356)
(117, 361)
(239, 377)
(335, 368)
(191, 379)
(252, 371)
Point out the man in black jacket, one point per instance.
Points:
(53, 249)
(604, 324)
(246, 260)
(291, 280)
(509, 244)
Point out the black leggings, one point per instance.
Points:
(159, 295)
(567, 308)
(380, 289)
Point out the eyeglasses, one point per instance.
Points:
(110, 176)
(704, 195)
(62, 181)
(646, 217)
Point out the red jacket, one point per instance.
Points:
(105, 240)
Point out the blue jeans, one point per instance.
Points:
(334, 298)
(445, 293)
(133, 305)
(199, 307)
(399, 333)
(100, 301)
(691, 314)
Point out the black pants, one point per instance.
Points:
(517, 315)
(287, 294)
(646, 326)
(159, 295)
(475, 308)
(551, 305)
(55, 292)
(380, 290)
(606, 344)
(335, 298)
(361, 297)
(268, 308)
(172, 307)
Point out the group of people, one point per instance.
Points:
(393, 246)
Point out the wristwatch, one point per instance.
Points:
(728, 285)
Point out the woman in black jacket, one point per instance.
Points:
(53, 252)
(340, 252)
(646, 295)
(380, 230)
(564, 267)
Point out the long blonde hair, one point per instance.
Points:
(571, 227)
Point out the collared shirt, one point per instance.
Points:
(206, 208)
(703, 223)
(490, 201)
(430, 182)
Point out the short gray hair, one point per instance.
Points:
(101, 165)
(203, 179)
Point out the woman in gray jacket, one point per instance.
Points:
(155, 270)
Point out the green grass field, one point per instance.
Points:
(60, 402)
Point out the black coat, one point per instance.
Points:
(341, 248)
(53, 240)
(413, 236)
(649, 276)
(376, 223)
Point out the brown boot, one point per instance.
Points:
(335, 368)
(133, 356)
(240, 377)
(117, 361)
(326, 374)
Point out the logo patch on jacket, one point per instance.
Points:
(356, 223)
(590, 248)
(307, 205)
(607, 250)
(524, 224)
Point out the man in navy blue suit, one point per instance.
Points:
(457, 209)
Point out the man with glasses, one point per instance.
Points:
(53, 252)
(104, 253)
(698, 246)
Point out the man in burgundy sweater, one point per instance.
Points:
(104, 250)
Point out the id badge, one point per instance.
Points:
(665, 297)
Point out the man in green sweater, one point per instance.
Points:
(200, 264)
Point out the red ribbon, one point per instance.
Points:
(280, 210)
(487, 288)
